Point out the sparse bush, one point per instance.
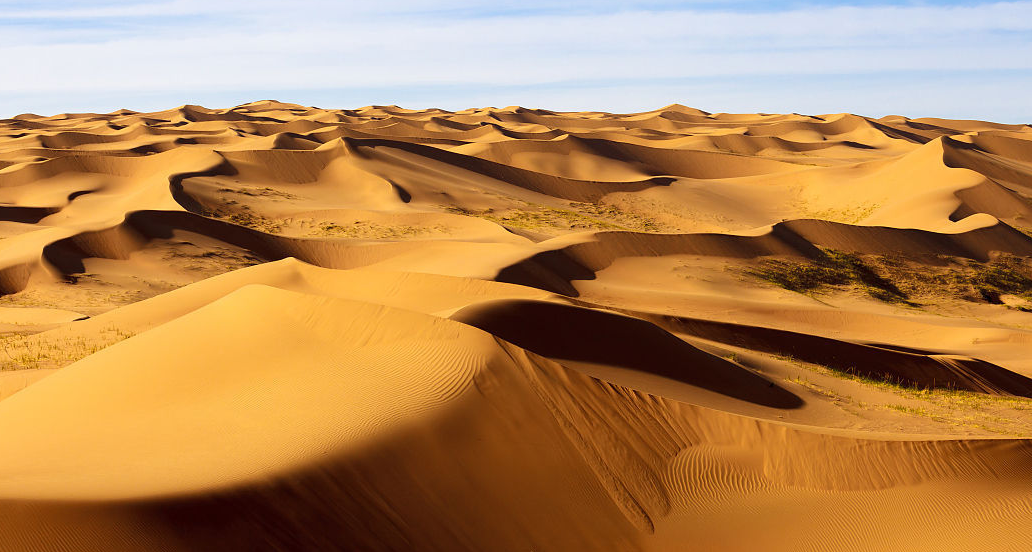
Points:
(21, 352)
(1006, 274)
(896, 280)
(363, 229)
(833, 268)
(580, 216)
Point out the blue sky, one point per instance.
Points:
(947, 59)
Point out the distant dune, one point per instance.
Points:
(285, 328)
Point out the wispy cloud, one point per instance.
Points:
(171, 49)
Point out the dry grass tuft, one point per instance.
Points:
(578, 217)
(894, 279)
(26, 352)
(834, 268)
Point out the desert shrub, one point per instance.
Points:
(1005, 275)
(895, 279)
(833, 268)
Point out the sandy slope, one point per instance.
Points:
(277, 327)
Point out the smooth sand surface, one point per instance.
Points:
(285, 328)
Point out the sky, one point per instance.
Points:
(955, 59)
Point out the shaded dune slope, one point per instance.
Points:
(500, 427)
(555, 269)
(909, 368)
(571, 334)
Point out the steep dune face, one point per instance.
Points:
(276, 327)
(362, 403)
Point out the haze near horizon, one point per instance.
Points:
(967, 60)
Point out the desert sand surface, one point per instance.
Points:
(287, 328)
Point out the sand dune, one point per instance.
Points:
(278, 327)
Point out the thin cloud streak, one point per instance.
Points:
(318, 45)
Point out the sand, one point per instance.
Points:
(279, 327)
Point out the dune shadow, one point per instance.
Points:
(903, 366)
(566, 332)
